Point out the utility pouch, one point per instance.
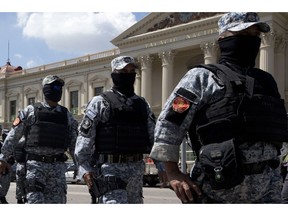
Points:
(221, 164)
(99, 187)
(104, 184)
(20, 154)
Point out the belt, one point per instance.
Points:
(48, 159)
(122, 158)
(255, 168)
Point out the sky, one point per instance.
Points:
(32, 39)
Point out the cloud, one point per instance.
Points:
(17, 55)
(81, 33)
(31, 63)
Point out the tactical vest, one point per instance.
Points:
(126, 130)
(50, 128)
(251, 110)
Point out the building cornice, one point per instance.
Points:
(175, 31)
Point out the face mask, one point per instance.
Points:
(124, 83)
(240, 49)
(52, 92)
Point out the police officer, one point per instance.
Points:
(47, 127)
(21, 183)
(284, 171)
(120, 126)
(235, 118)
(5, 179)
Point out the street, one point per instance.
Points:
(78, 194)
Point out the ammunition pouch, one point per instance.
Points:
(11, 160)
(20, 154)
(221, 164)
(104, 184)
(283, 171)
(36, 187)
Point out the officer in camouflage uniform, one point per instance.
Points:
(5, 179)
(120, 126)
(284, 171)
(21, 184)
(236, 121)
(47, 127)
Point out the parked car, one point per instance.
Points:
(71, 175)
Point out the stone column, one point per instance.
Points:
(267, 52)
(137, 85)
(167, 74)
(210, 50)
(279, 70)
(146, 77)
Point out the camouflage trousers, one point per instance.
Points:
(257, 188)
(20, 181)
(5, 184)
(284, 192)
(46, 182)
(132, 174)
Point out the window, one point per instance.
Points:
(12, 110)
(31, 101)
(74, 102)
(98, 90)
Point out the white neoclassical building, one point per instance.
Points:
(166, 46)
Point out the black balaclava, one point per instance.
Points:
(239, 49)
(53, 91)
(124, 83)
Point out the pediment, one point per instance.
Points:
(154, 22)
(73, 83)
(12, 93)
(30, 90)
(98, 78)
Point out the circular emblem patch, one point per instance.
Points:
(86, 123)
(180, 105)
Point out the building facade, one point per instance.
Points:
(166, 46)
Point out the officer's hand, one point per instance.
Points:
(181, 183)
(3, 167)
(88, 179)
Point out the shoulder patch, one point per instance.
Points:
(188, 95)
(91, 114)
(16, 122)
(86, 123)
(180, 104)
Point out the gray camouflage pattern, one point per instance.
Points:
(98, 110)
(121, 61)
(168, 137)
(51, 175)
(130, 173)
(259, 188)
(5, 184)
(21, 183)
(238, 21)
(27, 116)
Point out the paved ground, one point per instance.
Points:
(78, 194)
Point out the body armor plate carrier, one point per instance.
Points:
(126, 130)
(251, 110)
(50, 128)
